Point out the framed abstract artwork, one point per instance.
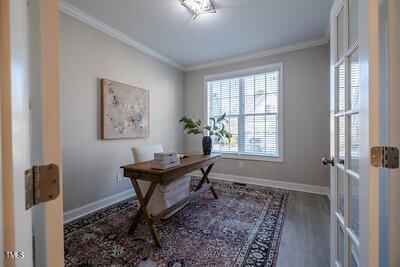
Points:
(125, 111)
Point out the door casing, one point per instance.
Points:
(15, 135)
(369, 127)
(394, 128)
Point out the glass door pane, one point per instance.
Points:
(354, 255)
(341, 140)
(340, 93)
(354, 142)
(340, 34)
(353, 22)
(340, 246)
(340, 192)
(354, 206)
(354, 80)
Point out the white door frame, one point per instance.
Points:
(2, 19)
(52, 128)
(394, 128)
(369, 127)
(15, 133)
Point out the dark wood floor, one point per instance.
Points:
(305, 237)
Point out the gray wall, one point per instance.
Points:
(305, 117)
(90, 165)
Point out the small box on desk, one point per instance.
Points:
(165, 155)
(165, 160)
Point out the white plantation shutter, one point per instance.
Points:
(251, 104)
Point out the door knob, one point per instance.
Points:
(328, 161)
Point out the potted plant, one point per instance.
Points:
(215, 129)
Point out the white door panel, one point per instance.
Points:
(20, 131)
(27, 28)
(365, 92)
(393, 81)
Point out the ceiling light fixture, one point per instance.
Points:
(199, 7)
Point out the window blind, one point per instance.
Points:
(251, 104)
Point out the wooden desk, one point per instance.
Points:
(143, 171)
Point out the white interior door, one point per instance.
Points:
(30, 129)
(15, 134)
(345, 134)
(365, 63)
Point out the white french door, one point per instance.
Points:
(345, 125)
(30, 130)
(365, 79)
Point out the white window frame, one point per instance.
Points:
(241, 73)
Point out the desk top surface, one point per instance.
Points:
(186, 162)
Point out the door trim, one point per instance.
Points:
(369, 126)
(394, 128)
(52, 128)
(6, 216)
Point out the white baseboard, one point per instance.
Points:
(320, 190)
(94, 206)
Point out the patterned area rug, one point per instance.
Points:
(241, 228)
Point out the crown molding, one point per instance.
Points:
(269, 52)
(78, 14)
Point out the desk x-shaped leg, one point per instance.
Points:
(205, 179)
(144, 201)
(143, 210)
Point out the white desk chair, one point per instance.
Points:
(165, 195)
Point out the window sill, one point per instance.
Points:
(250, 157)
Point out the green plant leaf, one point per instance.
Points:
(215, 128)
(183, 119)
(193, 131)
(218, 135)
(221, 118)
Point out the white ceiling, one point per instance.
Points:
(239, 27)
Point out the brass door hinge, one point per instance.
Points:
(42, 184)
(385, 157)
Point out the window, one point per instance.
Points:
(252, 101)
